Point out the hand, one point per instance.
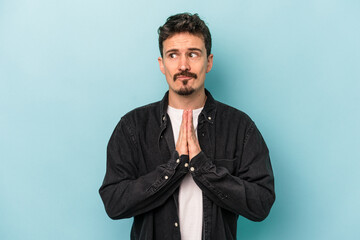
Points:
(192, 141)
(187, 143)
(181, 144)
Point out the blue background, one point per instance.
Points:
(70, 69)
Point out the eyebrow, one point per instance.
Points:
(177, 50)
(195, 49)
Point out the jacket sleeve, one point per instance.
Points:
(125, 193)
(250, 192)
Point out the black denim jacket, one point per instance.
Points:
(144, 171)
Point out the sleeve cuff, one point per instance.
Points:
(179, 162)
(199, 163)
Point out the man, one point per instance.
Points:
(186, 167)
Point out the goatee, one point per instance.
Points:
(185, 91)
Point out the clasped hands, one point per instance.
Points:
(187, 143)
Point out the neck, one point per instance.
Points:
(194, 101)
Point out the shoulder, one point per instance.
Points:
(228, 113)
(233, 120)
(142, 116)
(146, 110)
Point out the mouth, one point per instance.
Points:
(184, 76)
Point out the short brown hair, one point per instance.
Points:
(184, 22)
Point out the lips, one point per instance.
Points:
(183, 78)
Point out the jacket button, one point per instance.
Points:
(186, 165)
(163, 118)
(192, 169)
(176, 224)
(209, 118)
(166, 177)
(177, 160)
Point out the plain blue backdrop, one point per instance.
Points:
(70, 69)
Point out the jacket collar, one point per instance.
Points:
(208, 111)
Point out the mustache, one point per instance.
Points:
(185, 74)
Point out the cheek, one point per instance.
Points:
(202, 66)
(202, 69)
(169, 75)
(169, 69)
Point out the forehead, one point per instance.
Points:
(181, 41)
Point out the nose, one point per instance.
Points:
(184, 64)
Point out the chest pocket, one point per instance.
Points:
(229, 164)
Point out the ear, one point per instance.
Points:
(161, 65)
(209, 62)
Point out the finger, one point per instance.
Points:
(190, 124)
(184, 124)
(188, 119)
(181, 145)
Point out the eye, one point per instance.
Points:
(172, 55)
(193, 54)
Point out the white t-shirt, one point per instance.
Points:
(190, 195)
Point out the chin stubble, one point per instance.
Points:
(185, 91)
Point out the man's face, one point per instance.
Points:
(185, 63)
